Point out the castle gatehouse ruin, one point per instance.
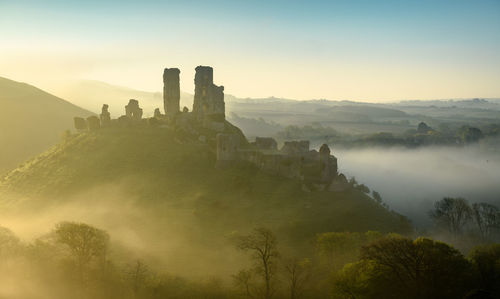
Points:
(206, 123)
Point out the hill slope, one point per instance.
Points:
(32, 121)
(162, 189)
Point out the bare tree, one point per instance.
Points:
(244, 280)
(452, 213)
(262, 243)
(297, 272)
(486, 217)
(138, 273)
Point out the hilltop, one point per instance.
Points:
(159, 168)
(180, 184)
(32, 121)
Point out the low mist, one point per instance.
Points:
(411, 180)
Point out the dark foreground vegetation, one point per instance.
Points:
(80, 261)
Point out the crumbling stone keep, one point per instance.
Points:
(171, 91)
(133, 111)
(105, 116)
(208, 105)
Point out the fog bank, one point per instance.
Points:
(411, 180)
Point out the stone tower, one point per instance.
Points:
(208, 105)
(203, 81)
(171, 91)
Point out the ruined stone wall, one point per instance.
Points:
(132, 110)
(265, 143)
(295, 147)
(227, 149)
(171, 91)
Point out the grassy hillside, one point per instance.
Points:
(156, 165)
(158, 192)
(32, 121)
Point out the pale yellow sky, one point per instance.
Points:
(329, 50)
(141, 68)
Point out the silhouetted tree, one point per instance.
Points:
(452, 213)
(262, 243)
(416, 269)
(138, 273)
(297, 273)
(486, 262)
(243, 280)
(486, 217)
(83, 241)
(470, 134)
(377, 197)
(363, 188)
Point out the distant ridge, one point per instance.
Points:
(31, 121)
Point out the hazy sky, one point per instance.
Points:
(360, 50)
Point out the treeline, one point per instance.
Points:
(420, 136)
(458, 217)
(369, 265)
(76, 260)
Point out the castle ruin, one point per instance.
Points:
(207, 124)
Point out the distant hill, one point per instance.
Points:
(31, 121)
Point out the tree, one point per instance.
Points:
(354, 280)
(297, 273)
(470, 134)
(486, 262)
(244, 280)
(363, 188)
(453, 213)
(377, 197)
(422, 268)
(83, 241)
(486, 217)
(340, 248)
(138, 273)
(262, 243)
